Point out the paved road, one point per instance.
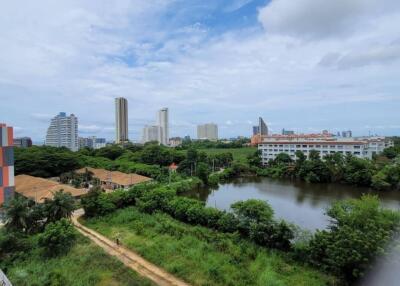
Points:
(128, 257)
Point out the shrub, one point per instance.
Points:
(359, 231)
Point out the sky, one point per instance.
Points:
(304, 65)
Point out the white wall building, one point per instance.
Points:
(207, 131)
(121, 120)
(163, 122)
(151, 133)
(270, 147)
(63, 132)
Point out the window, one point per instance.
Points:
(357, 146)
(318, 146)
(304, 146)
(298, 146)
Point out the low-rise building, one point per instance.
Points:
(39, 189)
(92, 142)
(112, 180)
(175, 141)
(271, 146)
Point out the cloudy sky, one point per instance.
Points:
(305, 65)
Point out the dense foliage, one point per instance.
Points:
(359, 232)
(380, 173)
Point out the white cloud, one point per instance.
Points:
(321, 18)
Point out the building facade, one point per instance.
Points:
(23, 142)
(163, 122)
(7, 184)
(207, 131)
(151, 133)
(347, 134)
(287, 132)
(365, 148)
(260, 129)
(121, 120)
(63, 132)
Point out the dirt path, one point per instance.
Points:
(128, 257)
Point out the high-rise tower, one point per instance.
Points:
(121, 120)
(63, 132)
(164, 126)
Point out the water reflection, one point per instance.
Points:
(298, 202)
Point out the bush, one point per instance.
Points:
(57, 238)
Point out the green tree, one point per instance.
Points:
(60, 206)
(18, 214)
(202, 171)
(57, 238)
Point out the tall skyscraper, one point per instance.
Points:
(7, 187)
(207, 131)
(121, 120)
(151, 133)
(63, 132)
(262, 127)
(163, 122)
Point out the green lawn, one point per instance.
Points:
(239, 154)
(85, 264)
(201, 256)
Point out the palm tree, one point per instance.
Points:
(18, 214)
(61, 206)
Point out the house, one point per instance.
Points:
(112, 180)
(39, 189)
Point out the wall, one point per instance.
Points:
(7, 187)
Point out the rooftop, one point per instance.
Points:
(115, 177)
(39, 189)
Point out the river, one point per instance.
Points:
(301, 203)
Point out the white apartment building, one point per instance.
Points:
(63, 132)
(151, 133)
(163, 122)
(207, 131)
(121, 120)
(270, 147)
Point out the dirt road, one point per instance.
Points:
(128, 257)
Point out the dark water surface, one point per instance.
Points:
(301, 203)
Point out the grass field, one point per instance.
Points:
(201, 256)
(85, 264)
(239, 154)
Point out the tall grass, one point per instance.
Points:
(85, 264)
(202, 256)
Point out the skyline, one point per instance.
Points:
(228, 62)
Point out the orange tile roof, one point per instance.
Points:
(116, 177)
(39, 189)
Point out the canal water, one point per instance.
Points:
(301, 203)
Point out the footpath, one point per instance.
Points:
(128, 257)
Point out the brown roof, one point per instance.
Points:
(116, 177)
(38, 188)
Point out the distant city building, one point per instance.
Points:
(92, 142)
(325, 132)
(121, 120)
(347, 134)
(187, 138)
(23, 142)
(175, 141)
(151, 133)
(207, 131)
(163, 122)
(287, 132)
(7, 184)
(63, 132)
